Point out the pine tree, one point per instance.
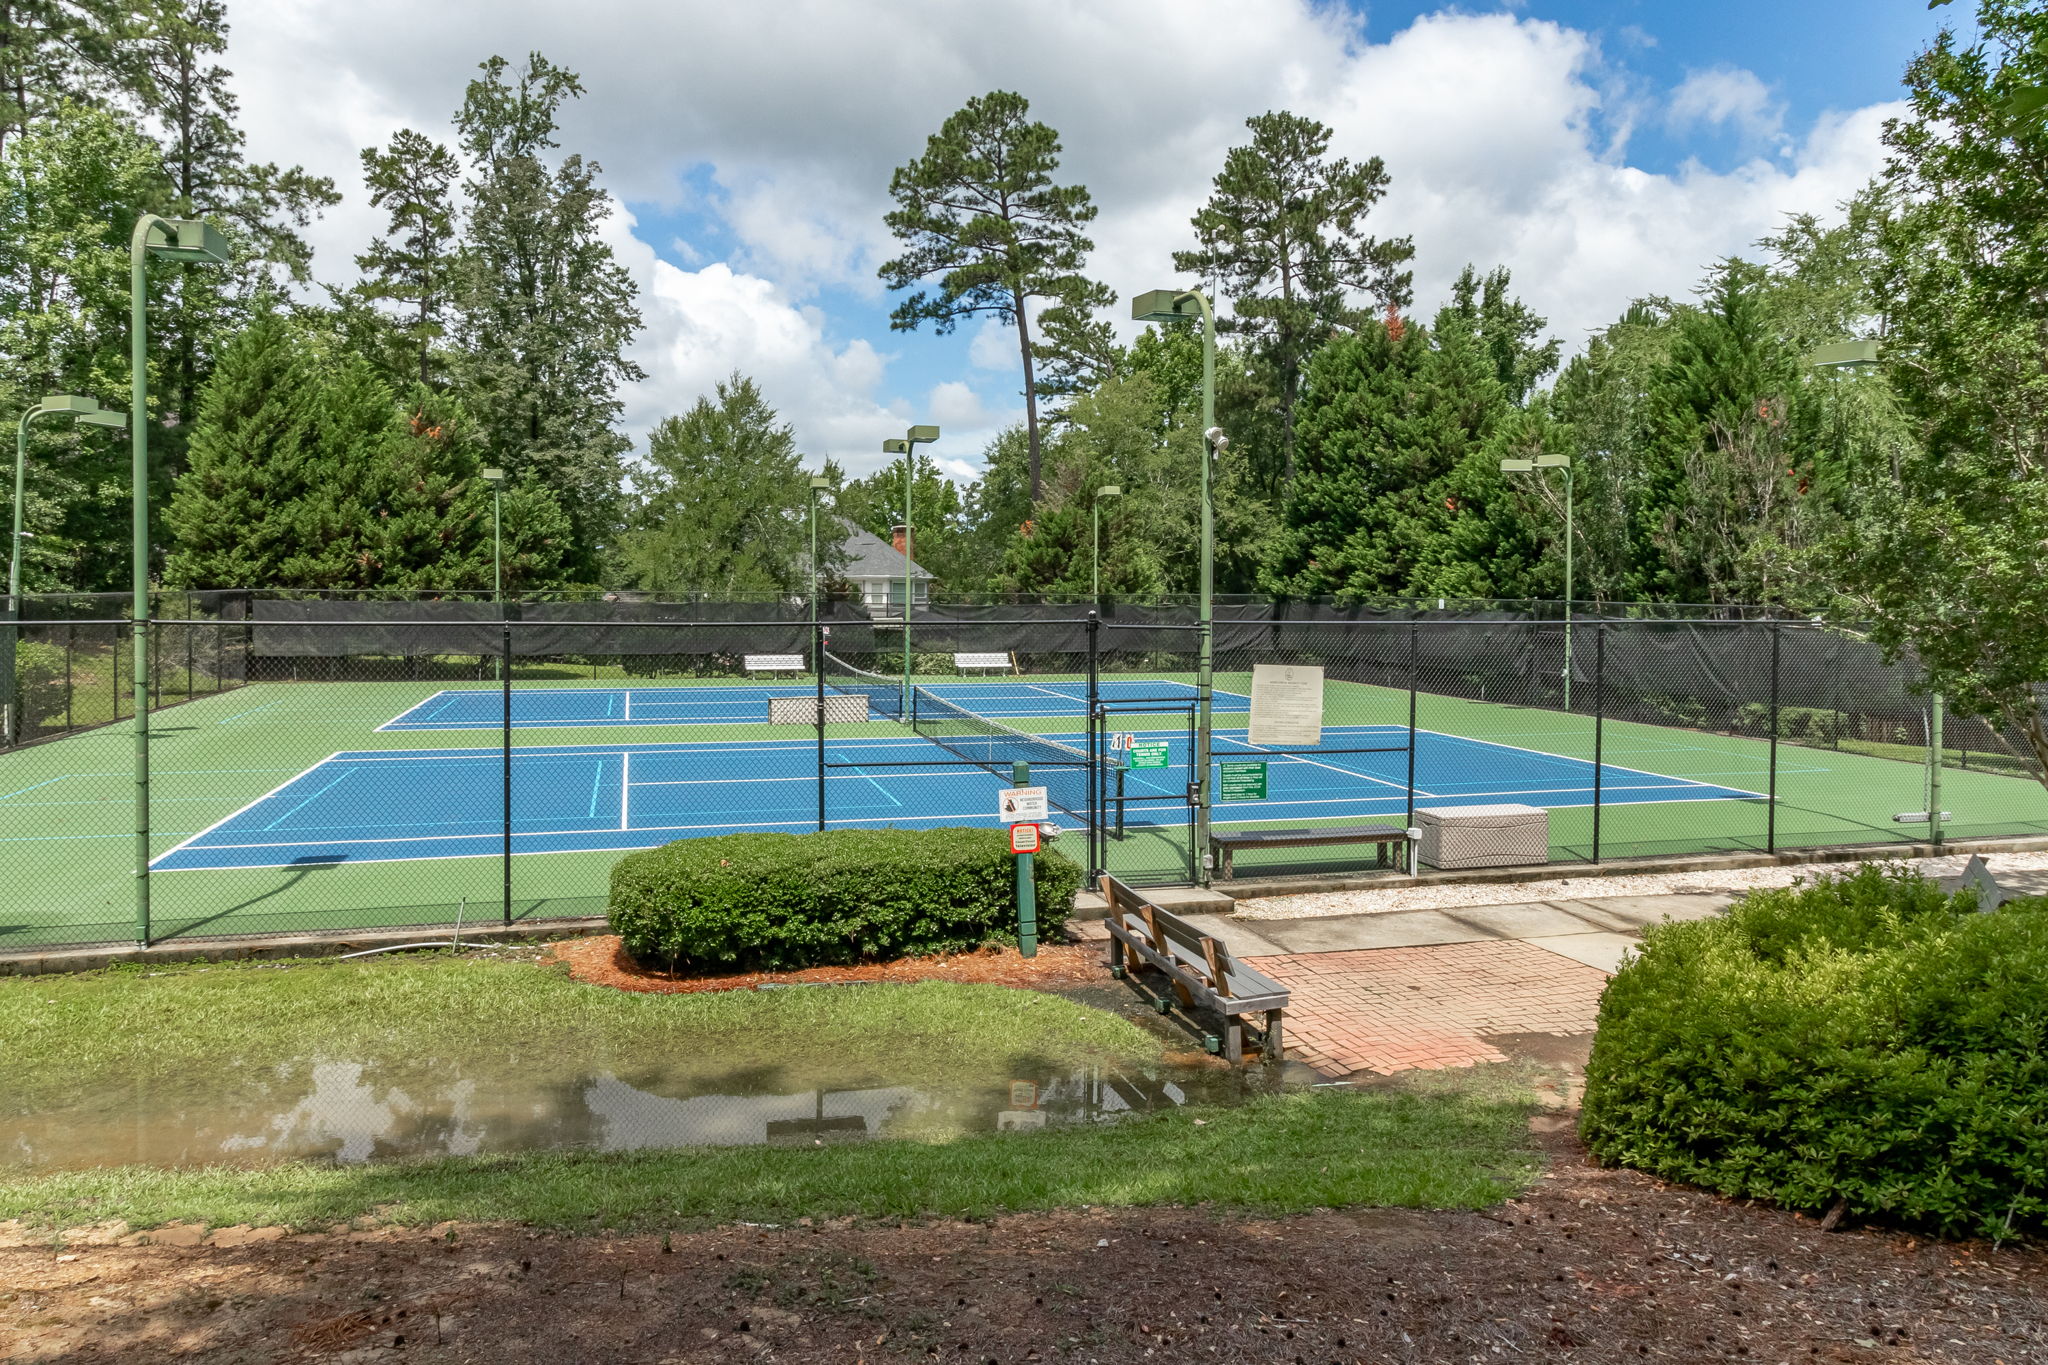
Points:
(546, 312)
(231, 515)
(1282, 237)
(980, 216)
(413, 180)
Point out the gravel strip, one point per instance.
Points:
(1387, 900)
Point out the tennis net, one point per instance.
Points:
(884, 693)
(1064, 771)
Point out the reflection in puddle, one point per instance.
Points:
(346, 1111)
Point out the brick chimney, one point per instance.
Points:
(899, 536)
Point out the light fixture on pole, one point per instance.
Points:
(1564, 462)
(1171, 305)
(907, 448)
(1095, 563)
(191, 242)
(88, 412)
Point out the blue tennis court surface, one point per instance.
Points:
(483, 708)
(392, 805)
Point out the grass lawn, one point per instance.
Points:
(78, 1044)
(70, 1036)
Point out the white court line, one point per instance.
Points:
(498, 836)
(1348, 772)
(245, 809)
(625, 786)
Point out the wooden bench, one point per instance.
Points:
(1001, 663)
(1201, 970)
(774, 663)
(1228, 842)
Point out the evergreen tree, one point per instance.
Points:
(546, 312)
(1283, 238)
(724, 504)
(335, 524)
(1717, 488)
(54, 53)
(413, 180)
(980, 216)
(232, 514)
(1507, 328)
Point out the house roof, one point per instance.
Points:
(869, 556)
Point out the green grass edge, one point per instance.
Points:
(1277, 1155)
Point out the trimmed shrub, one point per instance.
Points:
(778, 901)
(1863, 1039)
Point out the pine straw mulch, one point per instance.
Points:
(602, 961)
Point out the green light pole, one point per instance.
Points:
(173, 240)
(89, 412)
(820, 486)
(1563, 462)
(496, 479)
(1167, 305)
(1095, 563)
(907, 448)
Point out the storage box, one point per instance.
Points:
(1483, 836)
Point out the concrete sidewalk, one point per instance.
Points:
(1380, 993)
(1595, 932)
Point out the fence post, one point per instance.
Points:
(1414, 655)
(1027, 888)
(505, 735)
(1599, 723)
(818, 633)
(1771, 804)
(1097, 853)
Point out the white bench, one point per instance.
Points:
(774, 663)
(1001, 663)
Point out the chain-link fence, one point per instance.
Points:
(349, 765)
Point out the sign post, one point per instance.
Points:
(1022, 796)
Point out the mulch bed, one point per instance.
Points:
(603, 962)
(1591, 1267)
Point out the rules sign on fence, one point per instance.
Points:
(1287, 704)
(1242, 781)
(1150, 753)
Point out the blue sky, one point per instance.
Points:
(1601, 148)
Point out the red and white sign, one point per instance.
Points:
(1023, 838)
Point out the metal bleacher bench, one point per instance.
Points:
(774, 663)
(1229, 841)
(1201, 970)
(1001, 663)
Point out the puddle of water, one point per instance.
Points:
(353, 1111)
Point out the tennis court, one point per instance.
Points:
(333, 803)
(386, 805)
(483, 708)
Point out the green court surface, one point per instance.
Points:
(67, 806)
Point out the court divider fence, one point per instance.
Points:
(325, 766)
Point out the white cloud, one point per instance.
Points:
(783, 123)
(1725, 96)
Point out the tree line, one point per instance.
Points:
(335, 438)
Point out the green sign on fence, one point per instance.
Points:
(1150, 753)
(1242, 781)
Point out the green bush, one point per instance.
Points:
(1863, 1038)
(778, 901)
(38, 683)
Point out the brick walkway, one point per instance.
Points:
(1396, 1009)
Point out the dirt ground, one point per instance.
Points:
(601, 961)
(1591, 1266)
